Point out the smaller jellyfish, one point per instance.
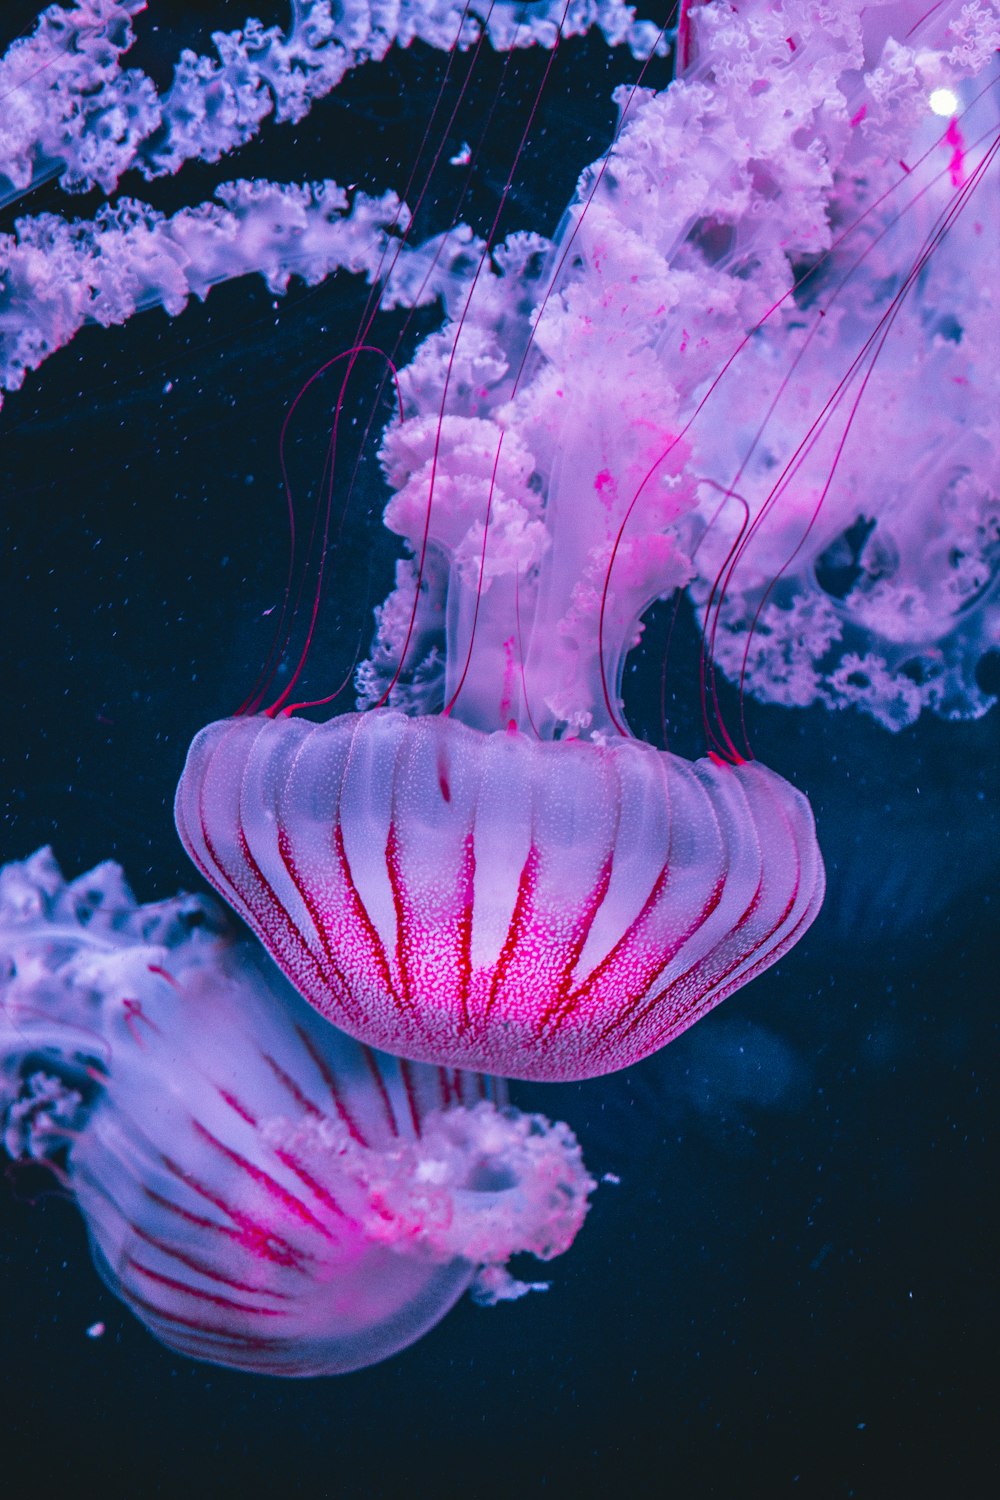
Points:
(260, 1190)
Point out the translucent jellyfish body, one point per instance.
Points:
(260, 1190)
(551, 910)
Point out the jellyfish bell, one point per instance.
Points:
(551, 910)
(261, 1191)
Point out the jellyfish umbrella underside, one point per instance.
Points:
(540, 910)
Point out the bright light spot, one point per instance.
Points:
(944, 102)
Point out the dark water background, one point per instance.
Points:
(792, 1289)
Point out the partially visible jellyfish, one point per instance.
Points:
(261, 1191)
(847, 447)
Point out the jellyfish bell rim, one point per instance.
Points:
(299, 1357)
(616, 905)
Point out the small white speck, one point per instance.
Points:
(96, 1331)
(944, 102)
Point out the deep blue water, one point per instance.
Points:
(792, 1289)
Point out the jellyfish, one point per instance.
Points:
(261, 1191)
(482, 867)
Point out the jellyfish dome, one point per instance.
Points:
(260, 1190)
(557, 909)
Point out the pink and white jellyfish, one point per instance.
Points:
(260, 1190)
(685, 388)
